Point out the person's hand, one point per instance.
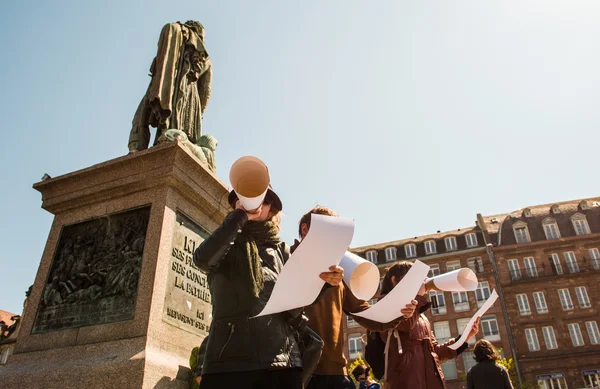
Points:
(254, 215)
(409, 310)
(474, 329)
(198, 379)
(334, 276)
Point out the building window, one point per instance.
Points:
(530, 268)
(355, 346)
(565, 299)
(556, 264)
(555, 209)
(449, 369)
(523, 303)
(591, 378)
(372, 256)
(571, 262)
(551, 230)
(580, 224)
(521, 233)
(410, 250)
(489, 325)
(434, 270)
(552, 381)
(593, 333)
(350, 322)
(452, 265)
(482, 293)
(460, 301)
(430, 247)
(441, 329)
(582, 297)
(450, 243)
(475, 264)
(595, 257)
(438, 303)
(549, 338)
(461, 324)
(471, 239)
(540, 302)
(575, 333)
(390, 253)
(468, 360)
(514, 269)
(532, 339)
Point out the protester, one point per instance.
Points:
(413, 354)
(362, 376)
(325, 317)
(243, 258)
(487, 374)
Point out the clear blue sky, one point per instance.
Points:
(408, 116)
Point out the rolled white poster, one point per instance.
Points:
(361, 276)
(455, 281)
(252, 203)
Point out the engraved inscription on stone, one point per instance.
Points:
(187, 300)
(95, 271)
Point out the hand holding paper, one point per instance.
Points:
(388, 308)
(484, 308)
(299, 284)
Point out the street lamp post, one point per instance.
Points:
(511, 340)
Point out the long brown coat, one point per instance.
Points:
(418, 366)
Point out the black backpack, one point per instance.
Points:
(375, 354)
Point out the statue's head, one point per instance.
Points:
(197, 27)
(209, 142)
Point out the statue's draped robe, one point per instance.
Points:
(178, 92)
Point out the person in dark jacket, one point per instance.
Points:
(414, 356)
(243, 258)
(487, 374)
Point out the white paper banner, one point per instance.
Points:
(388, 308)
(456, 281)
(361, 276)
(484, 308)
(299, 284)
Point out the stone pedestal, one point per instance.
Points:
(116, 302)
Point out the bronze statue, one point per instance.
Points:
(179, 90)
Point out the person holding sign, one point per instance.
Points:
(413, 355)
(243, 258)
(325, 317)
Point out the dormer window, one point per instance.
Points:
(551, 229)
(555, 209)
(521, 232)
(583, 205)
(390, 253)
(372, 256)
(527, 212)
(430, 247)
(580, 224)
(471, 239)
(410, 250)
(450, 243)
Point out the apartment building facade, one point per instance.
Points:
(548, 271)
(549, 268)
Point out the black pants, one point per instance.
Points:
(258, 379)
(331, 382)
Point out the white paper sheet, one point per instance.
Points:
(361, 276)
(299, 284)
(388, 308)
(484, 308)
(459, 280)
